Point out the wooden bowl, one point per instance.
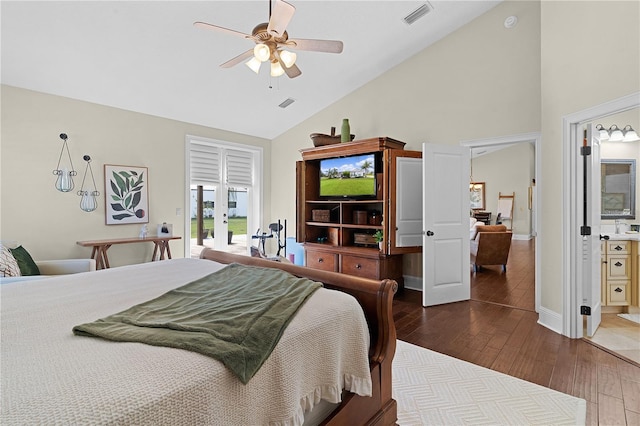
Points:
(321, 139)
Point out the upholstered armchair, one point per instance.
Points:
(491, 246)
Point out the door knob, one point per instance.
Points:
(429, 233)
(604, 237)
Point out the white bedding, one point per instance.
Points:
(51, 376)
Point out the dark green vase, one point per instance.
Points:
(345, 134)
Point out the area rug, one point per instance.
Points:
(436, 389)
(631, 317)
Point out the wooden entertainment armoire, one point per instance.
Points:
(337, 233)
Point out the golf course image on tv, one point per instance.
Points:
(346, 177)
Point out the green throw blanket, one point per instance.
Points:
(235, 315)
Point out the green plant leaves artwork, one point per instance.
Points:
(126, 192)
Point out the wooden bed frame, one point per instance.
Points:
(376, 299)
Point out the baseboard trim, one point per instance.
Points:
(550, 319)
(524, 237)
(413, 283)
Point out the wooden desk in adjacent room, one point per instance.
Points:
(100, 247)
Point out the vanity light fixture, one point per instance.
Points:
(630, 135)
(604, 134)
(88, 201)
(64, 182)
(614, 134)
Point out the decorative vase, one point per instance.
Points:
(345, 134)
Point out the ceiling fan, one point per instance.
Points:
(271, 39)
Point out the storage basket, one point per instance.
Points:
(320, 215)
(364, 239)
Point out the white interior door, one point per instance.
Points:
(591, 258)
(446, 205)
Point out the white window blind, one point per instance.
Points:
(239, 168)
(206, 161)
(205, 164)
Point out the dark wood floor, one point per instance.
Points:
(487, 332)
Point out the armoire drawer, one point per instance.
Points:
(322, 260)
(360, 266)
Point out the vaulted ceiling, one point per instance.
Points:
(148, 57)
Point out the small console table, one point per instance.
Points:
(100, 247)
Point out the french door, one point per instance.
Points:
(224, 195)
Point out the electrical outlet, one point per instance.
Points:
(179, 211)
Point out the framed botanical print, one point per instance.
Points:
(476, 195)
(126, 194)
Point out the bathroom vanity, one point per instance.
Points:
(620, 275)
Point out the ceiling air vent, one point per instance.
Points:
(417, 14)
(286, 103)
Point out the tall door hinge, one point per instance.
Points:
(585, 310)
(585, 150)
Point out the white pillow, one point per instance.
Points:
(8, 264)
(472, 220)
(474, 229)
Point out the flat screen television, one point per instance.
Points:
(352, 177)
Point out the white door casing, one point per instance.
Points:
(591, 253)
(446, 275)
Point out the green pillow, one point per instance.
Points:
(25, 261)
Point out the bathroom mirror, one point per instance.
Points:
(618, 186)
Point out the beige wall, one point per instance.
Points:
(481, 81)
(486, 81)
(509, 170)
(578, 38)
(48, 222)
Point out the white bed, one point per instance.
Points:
(49, 375)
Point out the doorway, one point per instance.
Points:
(224, 195)
(572, 290)
(615, 335)
(529, 199)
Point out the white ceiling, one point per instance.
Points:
(148, 57)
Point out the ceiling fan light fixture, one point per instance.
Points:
(288, 58)
(276, 69)
(262, 52)
(254, 64)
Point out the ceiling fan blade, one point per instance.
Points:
(235, 61)
(292, 72)
(221, 29)
(280, 18)
(328, 46)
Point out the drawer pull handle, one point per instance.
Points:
(358, 266)
(320, 260)
(618, 248)
(618, 290)
(618, 264)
